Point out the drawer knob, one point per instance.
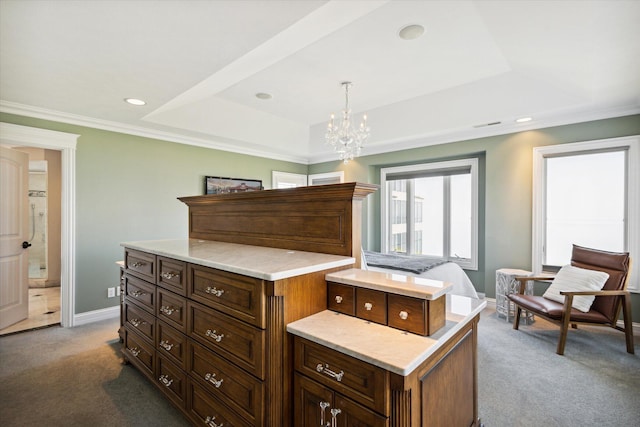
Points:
(137, 264)
(167, 309)
(212, 379)
(136, 322)
(368, 306)
(169, 275)
(164, 379)
(325, 370)
(403, 315)
(209, 421)
(135, 351)
(166, 345)
(137, 293)
(338, 299)
(214, 335)
(213, 291)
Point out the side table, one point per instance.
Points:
(506, 285)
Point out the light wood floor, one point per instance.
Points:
(44, 310)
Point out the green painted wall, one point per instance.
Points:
(506, 193)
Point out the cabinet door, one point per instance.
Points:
(312, 403)
(353, 415)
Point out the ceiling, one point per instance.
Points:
(199, 64)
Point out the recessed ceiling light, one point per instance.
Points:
(134, 101)
(262, 95)
(411, 32)
(523, 119)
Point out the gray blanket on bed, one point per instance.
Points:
(411, 263)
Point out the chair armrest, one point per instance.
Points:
(547, 278)
(596, 293)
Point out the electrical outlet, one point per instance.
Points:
(117, 291)
(111, 292)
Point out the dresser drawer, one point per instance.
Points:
(140, 320)
(140, 292)
(236, 341)
(139, 352)
(172, 381)
(238, 296)
(419, 316)
(371, 305)
(205, 409)
(140, 264)
(172, 309)
(341, 298)
(172, 275)
(364, 383)
(172, 344)
(239, 390)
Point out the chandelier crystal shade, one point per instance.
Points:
(345, 140)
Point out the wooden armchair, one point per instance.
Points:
(605, 309)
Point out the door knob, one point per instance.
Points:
(25, 245)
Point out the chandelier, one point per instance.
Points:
(345, 140)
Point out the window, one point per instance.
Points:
(292, 180)
(432, 210)
(585, 193)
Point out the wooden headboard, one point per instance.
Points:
(323, 218)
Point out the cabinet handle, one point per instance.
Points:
(169, 275)
(403, 315)
(137, 264)
(167, 309)
(136, 322)
(334, 414)
(211, 378)
(209, 421)
(137, 293)
(134, 351)
(368, 306)
(325, 369)
(213, 291)
(212, 334)
(164, 379)
(338, 299)
(323, 406)
(166, 345)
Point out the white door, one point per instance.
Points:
(14, 226)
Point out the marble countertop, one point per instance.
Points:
(253, 261)
(397, 351)
(417, 287)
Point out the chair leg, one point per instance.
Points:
(628, 324)
(564, 327)
(516, 319)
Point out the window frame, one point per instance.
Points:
(433, 167)
(631, 145)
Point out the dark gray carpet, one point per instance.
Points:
(73, 377)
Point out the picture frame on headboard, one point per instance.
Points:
(222, 185)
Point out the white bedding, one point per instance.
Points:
(448, 272)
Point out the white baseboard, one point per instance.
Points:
(96, 315)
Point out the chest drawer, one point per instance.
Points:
(172, 275)
(140, 264)
(172, 309)
(205, 409)
(415, 315)
(240, 391)
(171, 344)
(341, 298)
(364, 383)
(140, 292)
(172, 381)
(239, 296)
(142, 321)
(236, 341)
(371, 305)
(139, 352)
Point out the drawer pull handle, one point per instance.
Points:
(403, 315)
(167, 309)
(323, 406)
(338, 299)
(368, 306)
(137, 264)
(213, 291)
(137, 293)
(169, 275)
(334, 414)
(325, 369)
(212, 334)
(209, 421)
(164, 379)
(211, 378)
(137, 322)
(166, 345)
(134, 351)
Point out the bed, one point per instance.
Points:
(421, 267)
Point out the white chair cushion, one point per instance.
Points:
(571, 278)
